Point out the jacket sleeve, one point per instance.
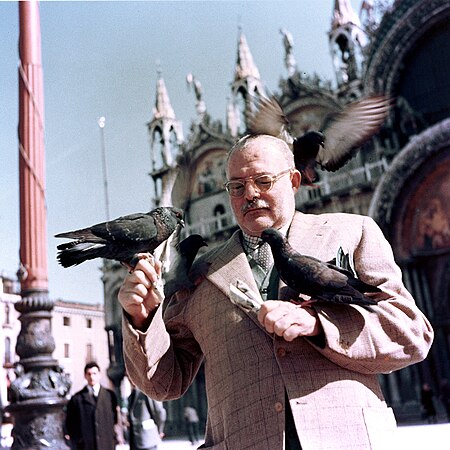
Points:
(164, 360)
(390, 336)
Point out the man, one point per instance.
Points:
(191, 419)
(92, 414)
(285, 376)
(147, 418)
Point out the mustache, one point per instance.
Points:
(254, 204)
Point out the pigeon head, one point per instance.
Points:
(191, 244)
(172, 212)
(273, 237)
(314, 138)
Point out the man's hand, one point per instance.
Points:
(288, 320)
(137, 294)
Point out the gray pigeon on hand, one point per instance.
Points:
(322, 281)
(340, 140)
(121, 239)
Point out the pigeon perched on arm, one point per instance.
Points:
(339, 141)
(322, 281)
(120, 239)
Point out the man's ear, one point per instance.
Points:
(296, 180)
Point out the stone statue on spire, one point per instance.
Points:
(200, 104)
(289, 59)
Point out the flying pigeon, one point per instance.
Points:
(120, 239)
(179, 275)
(322, 281)
(343, 135)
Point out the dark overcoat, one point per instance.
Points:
(90, 422)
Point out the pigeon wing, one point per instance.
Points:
(350, 129)
(269, 119)
(134, 228)
(82, 235)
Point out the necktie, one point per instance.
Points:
(263, 256)
(92, 393)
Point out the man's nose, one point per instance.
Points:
(250, 190)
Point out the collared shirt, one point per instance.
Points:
(95, 389)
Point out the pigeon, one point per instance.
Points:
(322, 281)
(179, 275)
(331, 149)
(120, 239)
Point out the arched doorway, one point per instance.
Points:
(411, 204)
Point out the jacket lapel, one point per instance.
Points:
(230, 264)
(88, 397)
(308, 234)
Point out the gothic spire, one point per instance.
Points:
(347, 40)
(245, 67)
(247, 84)
(343, 14)
(166, 137)
(163, 108)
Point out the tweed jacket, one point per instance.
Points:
(332, 389)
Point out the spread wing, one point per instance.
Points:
(269, 119)
(350, 129)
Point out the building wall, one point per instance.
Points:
(80, 337)
(74, 338)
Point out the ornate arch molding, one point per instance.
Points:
(404, 166)
(396, 36)
(321, 101)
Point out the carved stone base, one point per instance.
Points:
(38, 424)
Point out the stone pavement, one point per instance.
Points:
(413, 437)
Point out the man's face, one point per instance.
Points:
(92, 376)
(256, 211)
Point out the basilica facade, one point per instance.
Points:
(400, 177)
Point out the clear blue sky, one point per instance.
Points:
(100, 59)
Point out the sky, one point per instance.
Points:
(101, 59)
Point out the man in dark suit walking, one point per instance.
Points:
(92, 414)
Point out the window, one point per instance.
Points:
(8, 356)
(7, 314)
(89, 323)
(66, 321)
(66, 351)
(89, 352)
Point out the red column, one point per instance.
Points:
(33, 214)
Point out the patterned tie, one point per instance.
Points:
(259, 251)
(263, 256)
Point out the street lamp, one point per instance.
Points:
(101, 123)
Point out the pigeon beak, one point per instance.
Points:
(181, 222)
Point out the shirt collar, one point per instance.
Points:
(96, 389)
(251, 243)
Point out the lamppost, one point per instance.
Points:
(101, 123)
(38, 393)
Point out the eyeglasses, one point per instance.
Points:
(264, 183)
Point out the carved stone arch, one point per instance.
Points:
(412, 167)
(309, 113)
(411, 206)
(396, 36)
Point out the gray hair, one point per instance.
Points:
(246, 140)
